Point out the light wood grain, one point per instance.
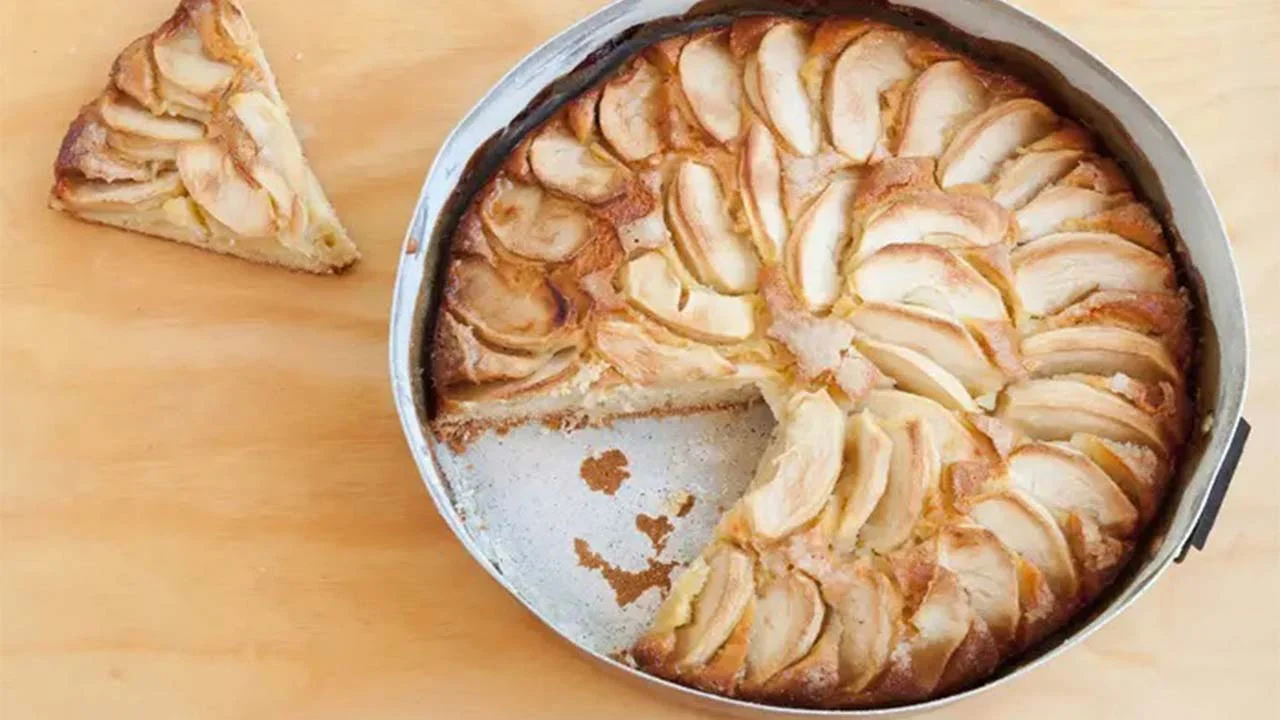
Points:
(208, 509)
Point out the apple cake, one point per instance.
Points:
(191, 141)
(966, 321)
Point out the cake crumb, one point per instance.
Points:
(605, 472)
(678, 503)
(627, 585)
(686, 505)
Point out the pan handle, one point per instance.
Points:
(1217, 491)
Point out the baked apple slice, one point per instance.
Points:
(780, 58)
(863, 478)
(955, 441)
(1023, 177)
(123, 114)
(704, 232)
(512, 307)
(870, 609)
(917, 374)
(653, 286)
(461, 357)
(629, 111)
(1132, 221)
(933, 334)
(811, 679)
(941, 99)
(653, 651)
(790, 616)
(913, 471)
(1099, 350)
(935, 218)
(1135, 469)
(179, 55)
(992, 137)
(565, 165)
(760, 180)
(1098, 555)
(645, 360)
(127, 155)
(988, 572)
(1057, 408)
(701, 616)
(1025, 527)
(100, 196)
(713, 84)
(813, 251)
(557, 366)
(928, 276)
(1066, 481)
(717, 608)
(1056, 270)
(1101, 174)
(805, 177)
(799, 469)
(1158, 314)
(869, 66)
(723, 672)
(1057, 206)
(939, 624)
(529, 222)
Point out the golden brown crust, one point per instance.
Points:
(999, 341)
(581, 114)
(85, 152)
(1100, 174)
(1099, 557)
(892, 178)
(977, 657)
(745, 34)
(834, 34)
(517, 164)
(470, 239)
(666, 53)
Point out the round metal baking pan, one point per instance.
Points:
(515, 501)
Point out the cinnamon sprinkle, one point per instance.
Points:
(627, 585)
(606, 472)
(657, 528)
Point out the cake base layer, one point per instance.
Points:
(584, 400)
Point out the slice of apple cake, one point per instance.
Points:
(191, 141)
(964, 318)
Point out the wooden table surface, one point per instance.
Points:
(208, 507)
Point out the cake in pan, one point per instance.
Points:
(966, 322)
